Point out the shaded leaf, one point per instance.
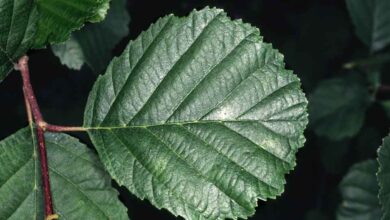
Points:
(57, 19)
(386, 107)
(372, 21)
(17, 30)
(359, 189)
(338, 106)
(94, 43)
(383, 177)
(198, 116)
(70, 53)
(81, 188)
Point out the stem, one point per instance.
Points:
(367, 62)
(28, 90)
(34, 114)
(33, 108)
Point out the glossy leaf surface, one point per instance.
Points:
(199, 116)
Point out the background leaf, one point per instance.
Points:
(383, 177)
(338, 106)
(94, 43)
(359, 190)
(57, 19)
(372, 21)
(81, 188)
(17, 31)
(199, 116)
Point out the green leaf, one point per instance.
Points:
(338, 106)
(57, 19)
(386, 107)
(70, 53)
(94, 43)
(17, 31)
(383, 177)
(198, 116)
(81, 188)
(372, 21)
(359, 190)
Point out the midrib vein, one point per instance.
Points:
(109, 127)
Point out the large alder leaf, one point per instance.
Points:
(57, 19)
(93, 44)
(359, 189)
(383, 177)
(198, 116)
(372, 21)
(81, 188)
(18, 19)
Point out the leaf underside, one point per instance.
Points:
(383, 177)
(94, 43)
(81, 188)
(198, 116)
(359, 190)
(17, 22)
(372, 21)
(57, 19)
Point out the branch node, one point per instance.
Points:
(42, 125)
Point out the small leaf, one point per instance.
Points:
(386, 107)
(359, 190)
(70, 53)
(383, 177)
(17, 30)
(372, 21)
(198, 116)
(57, 19)
(94, 43)
(81, 188)
(338, 106)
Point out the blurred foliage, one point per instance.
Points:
(359, 190)
(346, 75)
(338, 106)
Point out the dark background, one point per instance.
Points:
(316, 37)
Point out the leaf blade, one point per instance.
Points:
(17, 27)
(336, 110)
(153, 116)
(382, 176)
(93, 39)
(371, 21)
(359, 190)
(57, 19)
(75, 196)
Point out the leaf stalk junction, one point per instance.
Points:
(34, 116)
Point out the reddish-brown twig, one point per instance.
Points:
(33, 107)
